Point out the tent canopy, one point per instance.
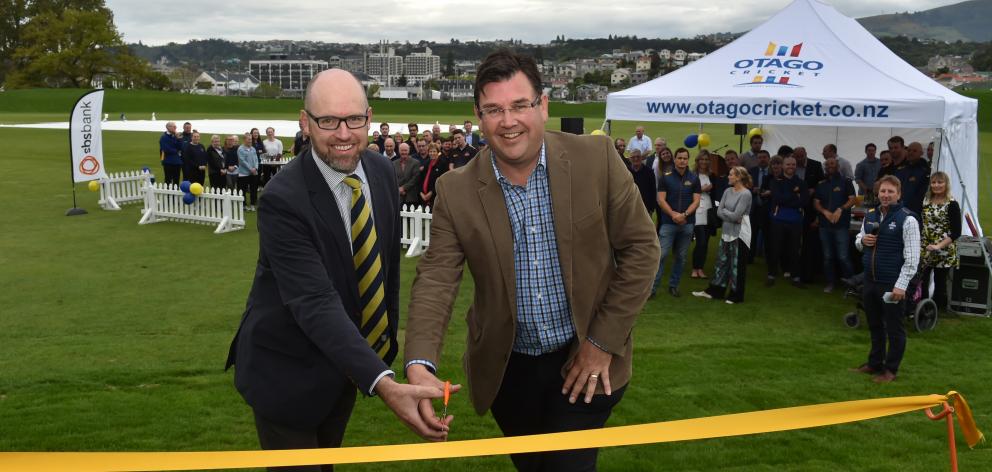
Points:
(810, 65)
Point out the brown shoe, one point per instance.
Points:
(884, 377)
(862, 369)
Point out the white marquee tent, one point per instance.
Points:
(812, 76)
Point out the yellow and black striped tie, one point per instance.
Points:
(368, 269)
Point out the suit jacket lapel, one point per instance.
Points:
(325, 204)
(560, 182)
(494, 206)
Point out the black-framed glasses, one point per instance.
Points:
(331, 123)
(494, 112)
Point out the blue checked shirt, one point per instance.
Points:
(544, 319)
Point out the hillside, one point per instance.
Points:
(965, 21)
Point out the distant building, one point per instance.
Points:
(954, 64)
(226, 83)
(638, 77)
(456, 89)
(559, 94)
(292, 76)
(619, 76)
(384, 66)
(694, 56)
(643, 64)
(419, 67)
(355, 65)
(591, 93)
(678, 58)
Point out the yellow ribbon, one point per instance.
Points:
(739, 424)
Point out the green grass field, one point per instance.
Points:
(113, 335)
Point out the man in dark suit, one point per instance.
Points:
(811, 171)
(759, 211)
(472, 137)
(563, 255)
(311, 331)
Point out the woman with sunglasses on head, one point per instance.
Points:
(941, 228)
(731, 259)
(703, 228)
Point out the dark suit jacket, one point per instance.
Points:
(299, 343)
(757, 203)
(607, 249)
(814, 174)
(407, 178)
(473, 140)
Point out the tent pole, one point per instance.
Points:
(964, 189)
(937, 152)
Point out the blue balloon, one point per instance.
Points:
(184, 185)
(691, 141)
(189, 198)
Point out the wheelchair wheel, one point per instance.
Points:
(851, 320)
(925, 317)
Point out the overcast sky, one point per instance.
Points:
(535, 21)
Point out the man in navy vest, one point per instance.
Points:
(890, 240)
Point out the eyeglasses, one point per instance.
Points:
(331, 123)
(494, 112)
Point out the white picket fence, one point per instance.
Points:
(416, 235)
(221, 207)
(265, 161)
(122, 188)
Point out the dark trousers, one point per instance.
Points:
(885, 324)
(193, 176)
(760, 224)
(329, 433)
(783, 249)
(218, 181)
(702, 235)
(172, 173)
(939, 287)
(530, 402)
(811, 259)
(249, 184)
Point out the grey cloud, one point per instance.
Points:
(400, 20)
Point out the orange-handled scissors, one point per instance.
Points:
(447, 395)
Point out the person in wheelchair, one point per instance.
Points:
(890, 242)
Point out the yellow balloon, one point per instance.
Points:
(196, 189)
(754, 132)
(704, 140)
(598, 132)
(94, 186)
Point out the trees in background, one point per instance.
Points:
(67, 43)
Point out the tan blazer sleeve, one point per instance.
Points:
(636, 253)
(439, 274)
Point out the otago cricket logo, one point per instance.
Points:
(781, 65)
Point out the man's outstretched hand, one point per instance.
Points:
(404, 400)
(418, 374)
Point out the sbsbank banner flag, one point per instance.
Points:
(85, 138)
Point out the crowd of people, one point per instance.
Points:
(421, 158)
(237, 163)
(796, 212)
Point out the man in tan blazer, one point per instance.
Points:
(563, 254)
